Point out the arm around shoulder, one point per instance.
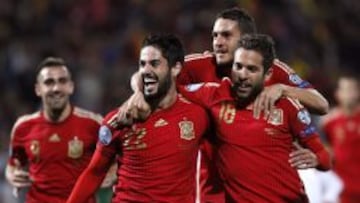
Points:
(309, 97)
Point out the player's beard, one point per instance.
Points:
(243, 101)
(163, 88)
(56, 108)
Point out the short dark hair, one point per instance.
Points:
(245, 22)
(51, 62)
(261, 43)
(169, 45)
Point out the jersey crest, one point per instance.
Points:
(75, 148)
(187, 130)
(276, 117)
(35, 149)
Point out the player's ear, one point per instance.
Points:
(268, 73)
(37, 89)
(175, 70)
(72, 87)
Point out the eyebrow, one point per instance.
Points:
(152, 62)
(57, 79)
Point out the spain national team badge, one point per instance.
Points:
(35, 148)
(75, 148)
(276, 117)
(187, 130)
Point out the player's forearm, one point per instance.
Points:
(85, 187)
(310, 98)
(91, 178)
(110, 177)
(323, 156)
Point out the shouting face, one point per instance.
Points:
(155, 72)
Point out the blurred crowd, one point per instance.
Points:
(100, 41)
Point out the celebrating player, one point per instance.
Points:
(51, 147)
(158, 156)
(253, 153)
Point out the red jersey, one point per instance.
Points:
(343, 133)
(55, 153)
(200, 68)
(203, 68)
(158, 156)
(253, 153)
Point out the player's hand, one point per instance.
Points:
(20, 178)
(302, 158)
(265, 101)
(17, 176)
(207, 52)
(110, 177)
(123, 116)
(135, 108)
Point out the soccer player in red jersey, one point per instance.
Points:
(158, 156)
(50, 148)
(253, 153)
(281, 80)
(342, 129)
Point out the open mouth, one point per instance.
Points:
(243, 87)
(220, 52)
(150, 84)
